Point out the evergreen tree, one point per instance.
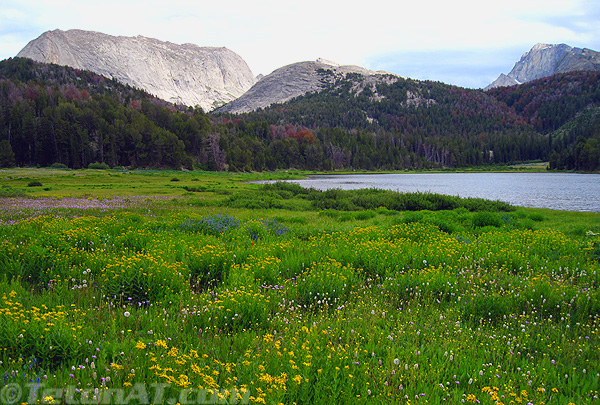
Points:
(7, 157)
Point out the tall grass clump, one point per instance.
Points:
(485, 218)
(326, 284)
(236, 310)
(208, 265)
(21, 329)
(142, 279)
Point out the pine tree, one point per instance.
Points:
(7, 156)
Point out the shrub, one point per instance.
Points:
(34, 184)
(412, 217)
(8, 192)
(486, 218)
(386, 211)
(261, 200)
(330, 213)
(98, 166)
(285, 188)
(371, 199)
(345, 217)
(364, 215)
(536, 217)
(192, 189)
(445, 226)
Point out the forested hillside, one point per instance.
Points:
(404, 123)
(52, 114)
(566, 107)
(56, 115)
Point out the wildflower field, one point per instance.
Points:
(206, 289)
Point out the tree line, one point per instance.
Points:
(57, 115)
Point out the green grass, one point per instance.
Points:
(115, 278)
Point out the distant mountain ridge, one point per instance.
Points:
(217, 78)
(186, 74)
(292, 81)
(545, 60)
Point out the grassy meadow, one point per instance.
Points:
(201, 287)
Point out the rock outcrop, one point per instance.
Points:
(545, 60)
(292, 81)
(185, 74)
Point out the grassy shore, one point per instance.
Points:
(189, 287)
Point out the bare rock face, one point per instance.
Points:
(545, 60)
(184, 74)
(292, 81)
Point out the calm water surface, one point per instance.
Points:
(559, 191)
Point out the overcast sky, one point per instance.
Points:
(462, 42)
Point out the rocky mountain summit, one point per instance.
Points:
(188, 74)
(545, 60)
(295, 80)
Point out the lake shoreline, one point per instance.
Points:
(558, 191)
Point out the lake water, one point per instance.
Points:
(559, 191)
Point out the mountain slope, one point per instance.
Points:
(566, 107)
(545, 60)
(550, 102)
(55, 114)
(185, 74)
(292, 81)
(388, 122)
